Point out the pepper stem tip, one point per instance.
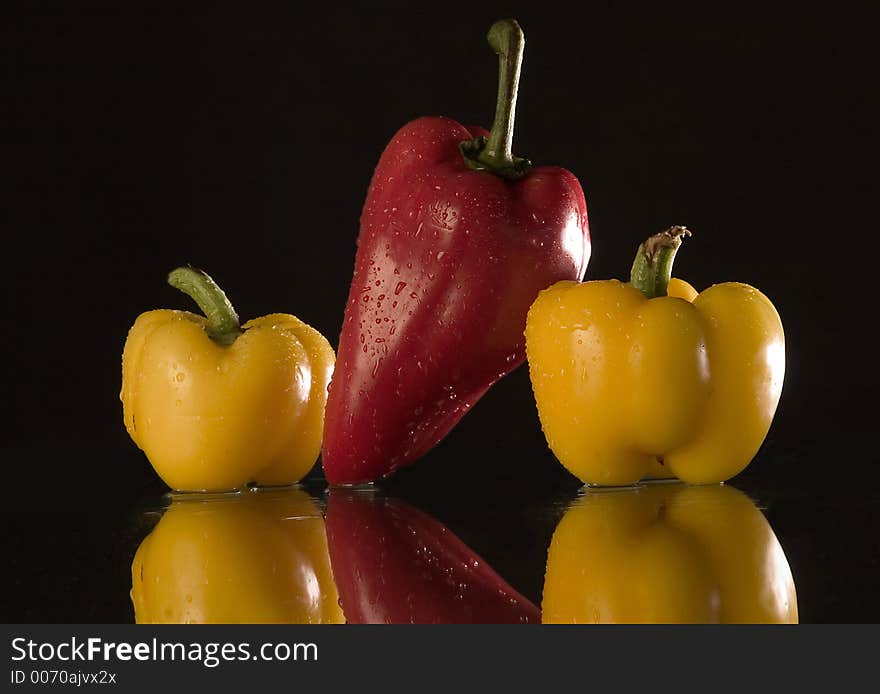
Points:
(668, 238)
(223, 324)
(652, 267)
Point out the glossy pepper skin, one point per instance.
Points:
(667, 553)
(629, 386)
(394, 564)
(216, 408)
(256, 558)
(449, 260)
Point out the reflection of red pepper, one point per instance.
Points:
(457, 238)
(395, 565)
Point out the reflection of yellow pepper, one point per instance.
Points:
(631, 380)
(215, 406)
(667, 553)
(258, 558)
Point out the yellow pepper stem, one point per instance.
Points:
(652, 268)
(223, 324)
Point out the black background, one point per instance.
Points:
(243, 142)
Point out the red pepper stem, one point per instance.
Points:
(508, 41)
(495, 153)
(223, 325)
(652, 268)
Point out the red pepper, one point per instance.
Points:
(393, 564)
(457, 238)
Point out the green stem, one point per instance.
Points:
(652, 268)
(495, 153)
(223, 325)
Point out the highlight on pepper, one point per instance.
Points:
(215, 404)
(667, 553)
(651, 378)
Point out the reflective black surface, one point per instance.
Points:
(72, 562)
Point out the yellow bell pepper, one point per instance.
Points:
(651, 379)
(255, 558)
(667, 553)
(214, 405)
